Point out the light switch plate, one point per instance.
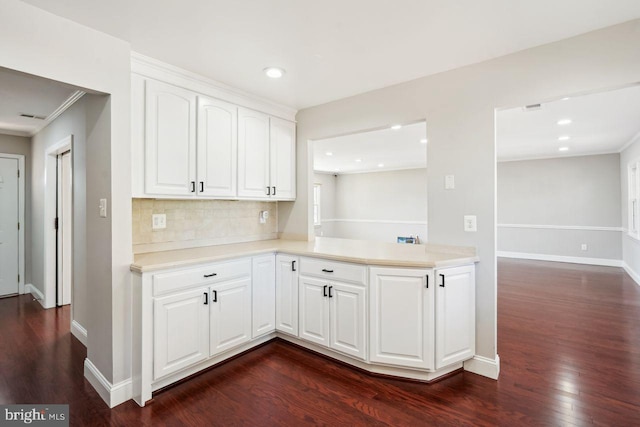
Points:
(470, 223)
(449, 182)
(103, 208)
(158, 221)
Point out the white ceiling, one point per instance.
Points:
(25, 94)
(395, 149)
(602, 122)
(332, 49)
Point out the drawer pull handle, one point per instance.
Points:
(427, 276)
(215, 296)
(442, 275)
(274, 191)
(211, 275)
(327, 271)
(330, 294)
(324, 290)
(206, 298)
(293, 266)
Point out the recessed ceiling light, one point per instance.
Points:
(396, 127)
(564, 138)
(358, 160)
(563, 149)
(564, 122)
(380, 165)
(274, 72)
(565, 98)
(423, 141)
(329, 153)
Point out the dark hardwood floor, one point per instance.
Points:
(568, 337)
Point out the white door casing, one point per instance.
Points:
(9, 233)
(65, 229)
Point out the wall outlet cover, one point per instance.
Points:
(470, 223)
(158, 221)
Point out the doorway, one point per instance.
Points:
(64, 227)
(11, 225)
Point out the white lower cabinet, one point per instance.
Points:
(181, 331)
(333, 315)
(230, 315)
(455, 315)
(263, 295)
(287, 294)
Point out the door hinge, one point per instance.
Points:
(18, 173)
(18, 278)
(55, 223)
(18, 226)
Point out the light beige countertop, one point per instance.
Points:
(347, 250)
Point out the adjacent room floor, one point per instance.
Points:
(568, 337)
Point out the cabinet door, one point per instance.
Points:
(264, 295)
(348, 319)
(287, 294)
(455, 315)
(230, 314)
(253, 154)
(217, 148)
(283, 159)
(170, 142)
(180, 331)
(314, 310)
(401, 317)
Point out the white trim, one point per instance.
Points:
(49, 216)
(635, 276)
(561, 258)
(75, 96)
(15, 132)
(112, 394)
(78, 331)
(21, 208)
(37, 294)
(561, 227)
(635, 138)
(155, 69)
(376, 170)
(549, 157)
(484, 366)
(375, 221)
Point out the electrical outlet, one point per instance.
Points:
(449, 182)
(264, 215)
(584, 247)
(159, 221)
(470, 223)
(103, 208)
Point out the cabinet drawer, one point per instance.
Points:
(164, 283)
(327, 269)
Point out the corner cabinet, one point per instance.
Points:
(189, 145)
(287, 294)
(266, 156)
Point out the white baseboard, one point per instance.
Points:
(112, 394)
(78, 331)
(484, 366)
(560, 258)
(635, 276)
(37, 294)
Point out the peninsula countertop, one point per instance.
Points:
(347, 250)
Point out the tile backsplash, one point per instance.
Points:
(193, 223)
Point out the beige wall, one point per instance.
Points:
(39, 43)
(21, 145)
(459, 106)
(193, 223)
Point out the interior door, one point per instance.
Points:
(9, 243)
(65, 226)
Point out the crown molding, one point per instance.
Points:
(155, 69)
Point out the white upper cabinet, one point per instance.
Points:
(283, 159)
(217, 148)
(253, 154)
(170, 140)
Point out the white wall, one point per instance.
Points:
(570, 192)
(71, 122)
(630, 246)
(459, 106)
(380, 205)
(39, 43)
(10, 144)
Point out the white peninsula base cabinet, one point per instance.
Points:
(416, 323)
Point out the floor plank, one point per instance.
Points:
(568, 338)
